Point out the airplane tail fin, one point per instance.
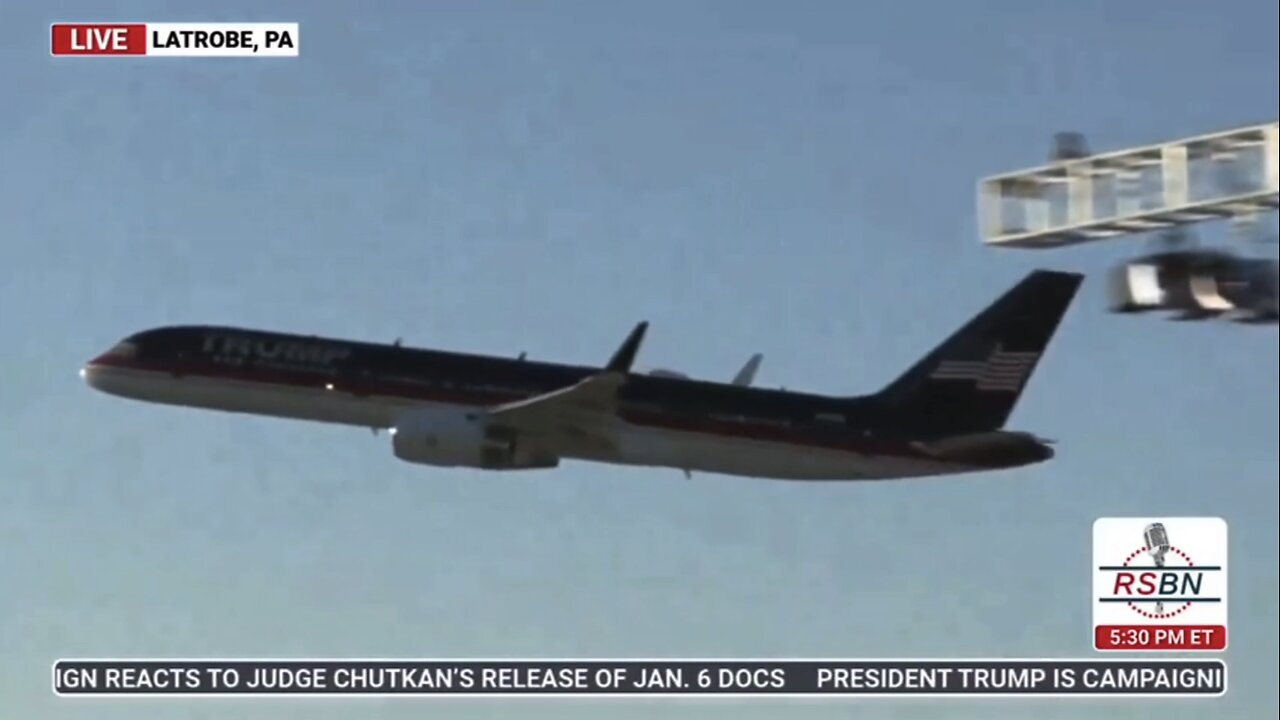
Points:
(971, 382)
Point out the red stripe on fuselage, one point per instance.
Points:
(830, 439)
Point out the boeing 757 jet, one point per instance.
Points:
(944, 415)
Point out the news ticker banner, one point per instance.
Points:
(261, 40)
(1160, 585)
(647, 678)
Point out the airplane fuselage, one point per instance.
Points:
(660, 421)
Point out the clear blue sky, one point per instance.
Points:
(538, 176)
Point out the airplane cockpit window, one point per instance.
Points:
(125, 349)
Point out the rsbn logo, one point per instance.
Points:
(1157, 573)
(1160, 584)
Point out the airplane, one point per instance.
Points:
(945, 415)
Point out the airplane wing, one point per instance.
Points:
(580, 413)
(592, 395)
(747, 374)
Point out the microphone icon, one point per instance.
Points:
(1157, 541)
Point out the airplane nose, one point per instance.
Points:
(94, 374)
(100, 371)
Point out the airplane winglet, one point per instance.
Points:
(626, 354)
(747, 374)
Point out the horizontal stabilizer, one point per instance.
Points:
(988, 448)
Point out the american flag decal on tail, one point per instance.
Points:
(1002, 371)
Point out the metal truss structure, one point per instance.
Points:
(1081, 197)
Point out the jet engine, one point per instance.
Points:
(458, 438)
